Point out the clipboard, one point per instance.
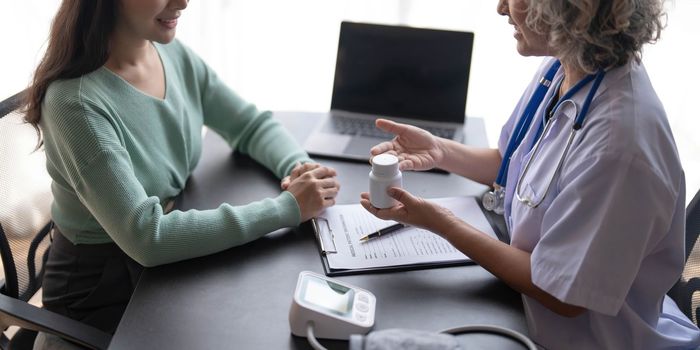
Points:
(326, 239)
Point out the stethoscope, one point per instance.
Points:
(494, 200)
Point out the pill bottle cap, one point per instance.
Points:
(385, 165)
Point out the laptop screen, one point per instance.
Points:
(402, 72)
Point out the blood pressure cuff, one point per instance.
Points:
(405, 339)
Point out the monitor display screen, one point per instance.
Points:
(328, 295)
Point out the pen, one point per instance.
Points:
(383, 231)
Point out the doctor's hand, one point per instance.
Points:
(416, 148)
(411, 210)
(314, 190)
(298, 170)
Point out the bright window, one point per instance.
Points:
(281, 54)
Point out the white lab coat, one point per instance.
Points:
(609, 236)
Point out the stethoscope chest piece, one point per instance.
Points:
(494, 200)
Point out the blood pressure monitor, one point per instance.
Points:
(334, 309)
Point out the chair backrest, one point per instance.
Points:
(25, 199)
(686, 292)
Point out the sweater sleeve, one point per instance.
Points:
(243, 126)
(86, 151)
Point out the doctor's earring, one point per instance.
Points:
(494, 200)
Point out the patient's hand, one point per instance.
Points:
(314, 190)
(296, 172)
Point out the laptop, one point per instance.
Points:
(410, 75)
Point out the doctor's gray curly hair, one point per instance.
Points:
(597, 34)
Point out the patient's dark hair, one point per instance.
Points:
(78, 44)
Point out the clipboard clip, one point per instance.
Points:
(324, 234)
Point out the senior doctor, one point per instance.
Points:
(587, 175)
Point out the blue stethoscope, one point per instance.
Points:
(494, 200)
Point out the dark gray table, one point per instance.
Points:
(240, 298)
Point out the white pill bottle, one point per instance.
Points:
(384, 175)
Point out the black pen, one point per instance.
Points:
(383, 231)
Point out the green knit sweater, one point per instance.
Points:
(117, 155)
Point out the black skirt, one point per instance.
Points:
(91, 283)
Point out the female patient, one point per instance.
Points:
(120, 105)
(594, 253)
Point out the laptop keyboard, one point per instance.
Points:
(366, 127)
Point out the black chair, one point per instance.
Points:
(23, 260)
(686, 292)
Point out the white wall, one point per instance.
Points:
(280, 54)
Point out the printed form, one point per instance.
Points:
(340, 228)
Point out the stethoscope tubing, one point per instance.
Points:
(528, 201)
(578, 124)
(525, 121)
(523, 125)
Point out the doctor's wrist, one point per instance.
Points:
(443, 149)
(446, 223)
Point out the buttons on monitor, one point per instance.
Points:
(362, 307)
(363, 302)
(363, 297)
